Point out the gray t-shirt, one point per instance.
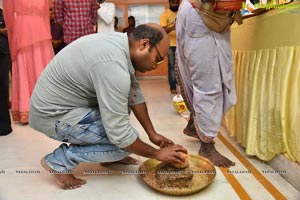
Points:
(93, 72)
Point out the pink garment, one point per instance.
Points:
(28, 24)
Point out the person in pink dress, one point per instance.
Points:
(29, 35)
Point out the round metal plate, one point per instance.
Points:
(203, 174)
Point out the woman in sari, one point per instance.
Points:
(28, 26)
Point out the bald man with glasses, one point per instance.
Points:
(84, 98)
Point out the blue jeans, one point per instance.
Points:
(88, 143)
(171, 68)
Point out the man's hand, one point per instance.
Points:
(173, 27)
(3, 31)
(168, 29)
(161, 141)
(56, 43)
(171, 154)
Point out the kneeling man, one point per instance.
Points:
(84, 97)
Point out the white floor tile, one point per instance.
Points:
(22, 177)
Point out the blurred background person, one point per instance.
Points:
(167, 21)
(76, 17)
(116, 25)
(56, 33)
(28, 28)
(131, 25)
(106, 14)
(5, 65)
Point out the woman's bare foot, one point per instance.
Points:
(209, 151)
(64, 180)
(125, 161)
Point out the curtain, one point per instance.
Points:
(266, 118)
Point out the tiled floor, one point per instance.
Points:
(22, 177)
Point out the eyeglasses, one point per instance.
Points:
(160, 58)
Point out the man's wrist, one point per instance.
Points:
(151, 134)
(155, 154)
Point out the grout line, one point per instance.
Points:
(269, 186)
(240, 191)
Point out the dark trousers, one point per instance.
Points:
(5, 123)
(171, 68)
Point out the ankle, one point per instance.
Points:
(207, 148)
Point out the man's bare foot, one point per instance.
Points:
(190, 129)
(125, 161)
(191, 132)
(64, 180)
(209, 151)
